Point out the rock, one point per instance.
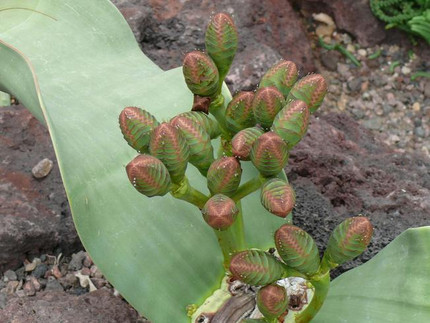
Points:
(53, 284)
(68, 281)
(9, 275)
(77, 259)
(20, 273)
(29, 289)
(56, 272)
(420, 132)
(3, 300)
(355, 17)
(36, 284)
(95, 272)
(32, 265)
(11, 287)
(358, 174)
(42, 168)
(427, 89)
(416, 106)
(344, 70)
(87, 261)
(40, 270)
(329, 59)
(30, 223)
(373, 123)
(59, 306)
(354, 85)
(405, 70)
(362, 52)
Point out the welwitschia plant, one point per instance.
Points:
(261, 128)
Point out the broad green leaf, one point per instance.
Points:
(4, 99)
(394, 286)
(75, 65)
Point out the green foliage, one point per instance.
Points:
(412, 16)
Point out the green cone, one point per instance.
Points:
(272, 301)
(348, 240)
(311, 89)
(206, 122)
(148, 175)
(221, 41)
(269, 154)
(201, 74)
(268, 101)
(224, 176)
(220, 212)
(169, 145)
(256, 267)
(136, 125)
(239, 113)
(242, 142)
(199, 142)
(292, 122)
(278, 197)
(282, 75)
(297, 249)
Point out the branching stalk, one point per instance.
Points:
(217, 109)
(184, 191)
(232, 239)
(321, 284)
(249, 187)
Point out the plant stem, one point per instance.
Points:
(340, 49)
(184, 191)
(232, 239)
(249, 187)
(217, 109)
(321, 284)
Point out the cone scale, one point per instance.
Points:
(282, 75)
(268, 101)
(278, 197)
(224, 176)
(201, 74)
(311, 89)
(242, 142)
(239, 113)
(272, 301)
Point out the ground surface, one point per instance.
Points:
(367, 150)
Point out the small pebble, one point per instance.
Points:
(40, 270)
(32, 265)
(406, 70)
(53, 284)
(29, 289)
(11, 287)
(419, 131)
(36, 284)
(69, 280)
(85, 271)
(416, 106)
(9, 275)
(362, 52)
(3, 301)
(56, 272)
(42, 168)
(77, 260)
(87, 261)
(95, 272)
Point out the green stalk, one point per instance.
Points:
(217, 109)
(321, 284)
(184, 191)
(249, 187)
(340, 49)
(232, 239)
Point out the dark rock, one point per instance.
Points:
(3, 300)
(169, 28)
(357, 174)
(30, 223)
(58, 306)
(9, 275)
(53, 284)
(20, 273)
(77, 260)
(40, 270)
(329, 59)
(78, 290)
(29, 289)
(354, 85)
(420, 132)
(355, 17)
(68, 281)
